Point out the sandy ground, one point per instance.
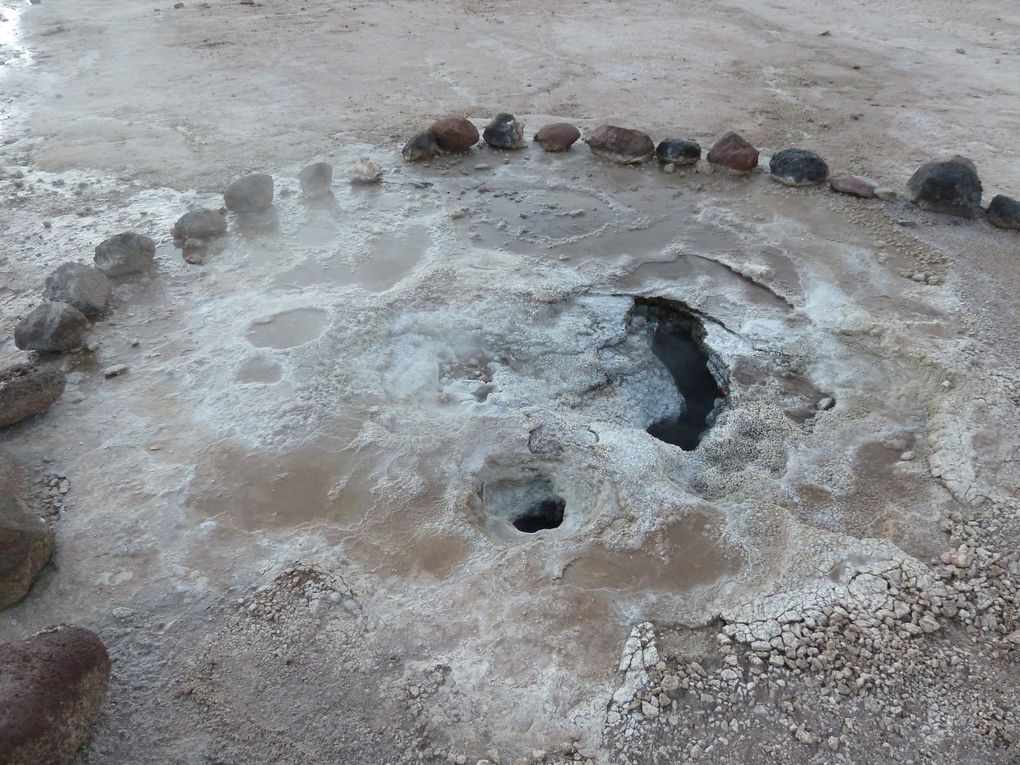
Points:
(276, 519)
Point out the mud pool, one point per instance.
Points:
(502, 407)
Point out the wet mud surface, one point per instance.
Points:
(416, 458)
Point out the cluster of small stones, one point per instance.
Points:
(303, 588)
(50, 491)
(566, 754)
(76, 294)
(948, 186)
(866, 640)
(251, 197)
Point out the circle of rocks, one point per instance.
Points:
(77, 294)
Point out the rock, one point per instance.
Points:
(947, 186)
(51, 327)
(620, 144)
(1004, 212)
(200, 224)
(421, 146)
(364, 171)
(733, 152)
(26, 544)
(249, 193)
(316, 179)
(798, 167)
(86, 288)
(504, 132)
(125, 254)
(855, 185)
(52, 689)
(676, 151)
(557, 136)
(26, 390)
(454, 134)
(115, 371)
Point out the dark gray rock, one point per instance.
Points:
(86, 288)
(735, 153)
(52, 689)
(948, 186)
(200, 224)
(51, 327)
(620, 144)
(26, 544)
(421, 146)
(557, 136)
(249, 193)
(316, 179)
(1004, 212)
(26, 390)
(504, 132)
(677, 151)
(125, 254)
(798, 167)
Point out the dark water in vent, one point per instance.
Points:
(677, 341)
(547, 514)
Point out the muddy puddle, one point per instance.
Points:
(378, 264)
(688, 553)
(259, 370)
(576, 364)
(441, 389)
(288, 329)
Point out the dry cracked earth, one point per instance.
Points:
(409, 474)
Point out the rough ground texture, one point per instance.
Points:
(52, 688)
(278, 522)
(26, 542)
(26, 390)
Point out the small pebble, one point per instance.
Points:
(116, 370)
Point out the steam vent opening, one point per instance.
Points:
(678, 340)
(547, 514)
(528, 503)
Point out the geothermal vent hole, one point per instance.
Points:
(547, 514)
(525, 504)
(677, 337)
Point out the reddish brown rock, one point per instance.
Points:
(734, 153)
(26, 390)
(857, 185)
(621, 144)
(557, 136)
(52, 689)
(26, 544)
(454, 134)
